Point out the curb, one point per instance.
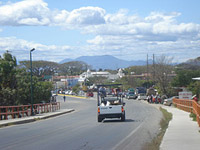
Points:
(73, 96)
(33, 118)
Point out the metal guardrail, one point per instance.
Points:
(7, 112)
(189, 106)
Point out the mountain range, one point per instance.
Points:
(107, 62)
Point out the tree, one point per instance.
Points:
(7, 79)
(23, 87)
(135, 69)
(76, 88)
(40, 68)
(195, 88)
(73, 67)
(161, 73)
(15, 84)
(184, 77)
(42, 91)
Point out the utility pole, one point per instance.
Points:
(32, 113)
(154, 68)
(147, 69)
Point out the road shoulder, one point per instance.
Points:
(4, 123)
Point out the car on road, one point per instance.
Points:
(169, 101)
(131, 95)
(110, 106)
(142, 96)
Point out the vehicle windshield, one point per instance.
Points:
(131, 92)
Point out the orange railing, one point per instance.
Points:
(7, 112)
(189, 106)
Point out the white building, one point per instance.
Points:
(106, 74)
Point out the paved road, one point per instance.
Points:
(80, 130)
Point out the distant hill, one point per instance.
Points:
(106, 62)
(191, 64)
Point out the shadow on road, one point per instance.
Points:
(118, 120)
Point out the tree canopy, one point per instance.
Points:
(40, 68)
(8, 82)
(15, 84)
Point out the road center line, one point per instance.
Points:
(130, 134)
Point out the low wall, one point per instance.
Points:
(11, 112)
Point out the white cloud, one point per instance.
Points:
(160, 17)
(36, 12)
(95, 20)
(87, 16)
(21, 49)
(122, 34)
(27, 12)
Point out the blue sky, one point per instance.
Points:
(126, 29)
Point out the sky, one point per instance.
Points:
(126, 29)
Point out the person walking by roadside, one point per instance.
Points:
(148, 99)
(151, 99)
(64, 98)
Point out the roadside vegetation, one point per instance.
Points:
(193, 116)
(155, 143)
(15, 84)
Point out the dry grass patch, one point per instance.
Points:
(155, 143)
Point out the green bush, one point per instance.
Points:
(193, 116)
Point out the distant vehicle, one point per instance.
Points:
(67, 92)
(71, 93)
(90, 94)
(131, 95)
(122, 94)
(142, 96)
(141, 93)
(169, 101)
(140, 90)
(110, 106)
(81, 93)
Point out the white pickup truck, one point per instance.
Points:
(110, 106)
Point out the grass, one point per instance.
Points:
(6, 125)
(193, 116)
(36, 119)
(155, 143)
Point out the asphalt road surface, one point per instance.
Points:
(80, 130)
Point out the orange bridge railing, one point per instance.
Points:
(189, 106)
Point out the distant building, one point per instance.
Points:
(70, 80)
(65, 81)
(106, 74)
(145, 76)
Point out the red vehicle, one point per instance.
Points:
(90, 94)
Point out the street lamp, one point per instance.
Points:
(32, 113)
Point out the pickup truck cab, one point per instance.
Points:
(110, 106)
